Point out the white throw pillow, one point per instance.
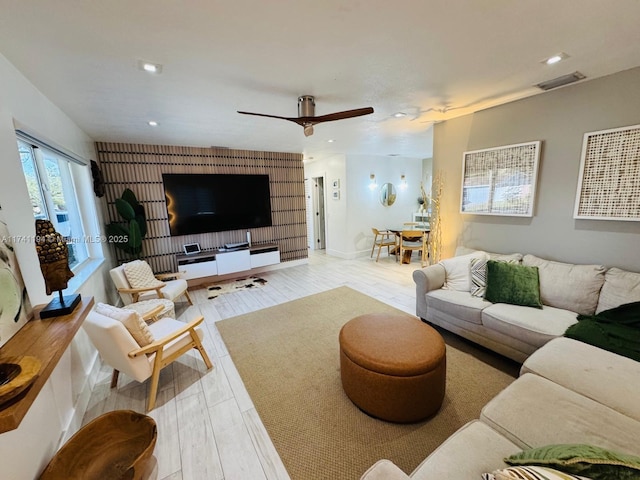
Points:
(140, 275)
(457, 271)
(568, 286)
(131, 320)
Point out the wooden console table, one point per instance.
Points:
(47, 340)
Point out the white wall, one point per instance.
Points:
(559, 118)
(58, 409)
(349, 219)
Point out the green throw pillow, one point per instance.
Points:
(588, 460)
(513, 283)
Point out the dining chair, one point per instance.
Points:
(387, 239)
(414, 240)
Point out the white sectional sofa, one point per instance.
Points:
(443, 298)
(568, 392)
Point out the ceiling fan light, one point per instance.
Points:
(308, 130)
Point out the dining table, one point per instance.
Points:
(397, 230)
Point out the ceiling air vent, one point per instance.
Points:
(561, 81)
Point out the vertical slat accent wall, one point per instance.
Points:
(140, 168)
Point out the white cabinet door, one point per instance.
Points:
(198, 270)
(263, 259)
(230, 262)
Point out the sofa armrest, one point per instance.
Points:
(384, 470)
(427, 279)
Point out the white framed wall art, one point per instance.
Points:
(500, 180)
(609, 179)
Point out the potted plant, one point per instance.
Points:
(128, 235)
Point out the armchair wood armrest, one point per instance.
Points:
(135, 292)
(152, 314)
(159, 344)
(140, 290)
(169, 276)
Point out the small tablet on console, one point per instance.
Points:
(191, 248)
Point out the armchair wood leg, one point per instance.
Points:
(186, 294)
(155, 377)
(200, 348)
(114, 378)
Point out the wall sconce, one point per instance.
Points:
(372, 184)
(403, 182)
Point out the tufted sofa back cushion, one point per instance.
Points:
(568, 286)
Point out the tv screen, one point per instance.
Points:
(200, 203)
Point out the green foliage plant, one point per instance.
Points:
(128, 235)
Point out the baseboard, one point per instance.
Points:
(82, 401)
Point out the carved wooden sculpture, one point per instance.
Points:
(53, 255)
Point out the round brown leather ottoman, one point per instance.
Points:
(393, 366)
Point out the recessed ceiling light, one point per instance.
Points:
(150, 67)
(555, 58)
(153, 123)
(331, 140)
(399, 114)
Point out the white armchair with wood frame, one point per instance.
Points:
(135, 281)
(111, 330)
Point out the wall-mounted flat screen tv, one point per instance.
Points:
(201, 203)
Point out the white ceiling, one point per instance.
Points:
(431, 59)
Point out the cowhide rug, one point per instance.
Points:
(229, 286)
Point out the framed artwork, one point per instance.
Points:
(336, 183)
(15, 308)
(336, 195)
(500, 180)
(609, 181)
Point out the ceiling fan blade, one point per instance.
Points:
(307, 122)
(269, 116)
(358, 112)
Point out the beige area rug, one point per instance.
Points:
(288, 358)
(216, 289)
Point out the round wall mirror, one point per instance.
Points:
(387, 194)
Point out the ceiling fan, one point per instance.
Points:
(306, 114)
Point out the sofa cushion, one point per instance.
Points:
(469, 452)
(568, 286)
(619, 287)
(457, 271)
(461, 305)
(384, 470)
(513, 284)
(580, 459)
(531, 325)
(603, 376)
(534, 412)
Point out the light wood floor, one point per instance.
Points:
(208, 428)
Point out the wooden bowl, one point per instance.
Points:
(16, 375)
(117, 445)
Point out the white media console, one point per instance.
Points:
(226, 261)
